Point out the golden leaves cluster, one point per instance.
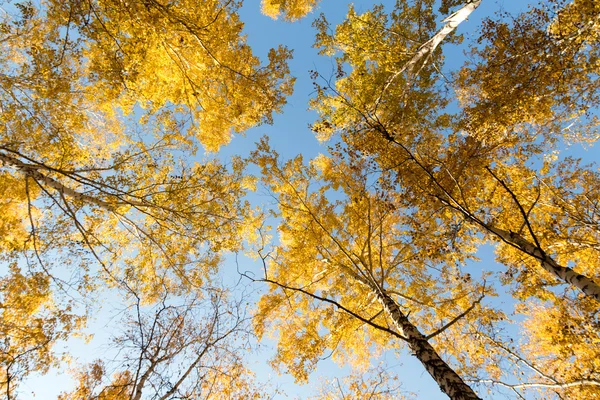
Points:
(335, 232)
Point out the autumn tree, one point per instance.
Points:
(377, 383)
(105, 234)
(78, 143)
(186, 347)
(366, 110)
(289, 10)
(492, 170)
(105, 105)
(351, 274)
(30, 325)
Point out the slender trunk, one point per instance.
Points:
(425, 51)
(450, 24)
(183, 377)
(32, 171)
(582, 282)
(446, 378)
(139, 387)
(8, 378)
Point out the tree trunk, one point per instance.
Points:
(32, 171)
(450, 24)
(447, 379)
(582, 282)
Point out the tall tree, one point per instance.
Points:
(493, 169)
(74, 71)
(373, 107)
(354, 274)
(187, 347)
(104, 107)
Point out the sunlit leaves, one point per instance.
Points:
(337, 232)
(31, 323)
(189, 55)
(289, 10)
(105, 105)
(531, 73)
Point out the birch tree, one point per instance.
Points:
(348, 276)
(492, 170)
(371, 107)
(187, 347)
(105, 106)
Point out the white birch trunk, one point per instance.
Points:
(447, 379)
(451, 22)
(32, 171)
(566, 274)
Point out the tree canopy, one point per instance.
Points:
(448, 216)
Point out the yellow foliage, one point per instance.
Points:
(491, 172)
(334, 232)
(291, 10)
(14, 211)
(30, 323)
(104, 107)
